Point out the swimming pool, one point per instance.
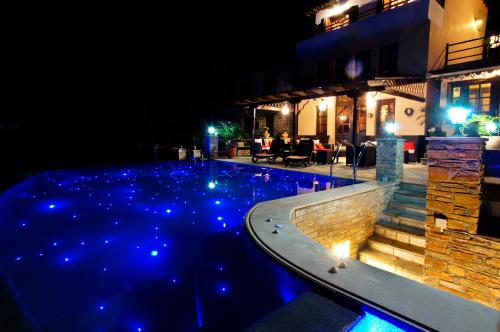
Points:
(148, 247)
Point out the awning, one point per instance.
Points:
(407, 87)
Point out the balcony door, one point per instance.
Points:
(385, 113)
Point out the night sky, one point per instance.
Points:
(94, 85)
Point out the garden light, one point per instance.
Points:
(458, 115)
(390, 127)
(491, 126)
(211, 130)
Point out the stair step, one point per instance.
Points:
(407, 196)
(404, 217)
(408, 206)
(402, 233)
(413, 187)
(402, 250)
(392, 264)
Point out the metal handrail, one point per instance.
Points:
(353, 159)
(337, 153)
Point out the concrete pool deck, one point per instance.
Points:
(423, 306)
(412, 172)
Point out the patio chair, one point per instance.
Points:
(302, 153)
(275, 151)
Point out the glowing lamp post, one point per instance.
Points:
(211, 143)
(457, 116)
(211, 131)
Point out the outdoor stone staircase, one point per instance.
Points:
(399, 240)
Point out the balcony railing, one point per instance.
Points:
(353, 14)
(483, 49)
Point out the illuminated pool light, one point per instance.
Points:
(217, 202)
(154, 253)
(66, 259)
(223, 289)
(211, 185)
(168, 211)
(219, 218)
(51, 206)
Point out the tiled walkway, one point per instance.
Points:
(413, 173)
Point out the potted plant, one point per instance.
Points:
(230, 133)
(486, 126)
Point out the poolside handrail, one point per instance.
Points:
(346, 142)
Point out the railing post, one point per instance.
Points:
(446, 54)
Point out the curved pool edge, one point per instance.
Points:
(416, 304)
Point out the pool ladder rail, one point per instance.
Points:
(356, 160)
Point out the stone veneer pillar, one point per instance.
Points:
(455, 181)
(456, 258)
(211, 147)
(390, 152)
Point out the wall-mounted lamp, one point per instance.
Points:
(285, 110)
(370, 100)
(342, 117)
(323, 106)
(477, 24)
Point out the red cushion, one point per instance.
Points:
(319, 146)
(409, 146)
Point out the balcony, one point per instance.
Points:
(482, 51)
(373, 24)
(355, 14)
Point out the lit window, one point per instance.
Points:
(494, 41)
(480, 96)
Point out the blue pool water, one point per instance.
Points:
(155, 247)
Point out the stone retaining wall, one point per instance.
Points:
(350, 218)
(456, 258)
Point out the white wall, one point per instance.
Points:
(407, 126)
(307, 117)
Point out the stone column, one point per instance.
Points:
(390, 153)
(211, 147)
(455, 181)
(457, 259)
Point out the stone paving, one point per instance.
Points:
(412, 172)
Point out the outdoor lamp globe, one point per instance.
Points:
(390, 128)
(285, 110)
(458, 115)
(491, 127)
